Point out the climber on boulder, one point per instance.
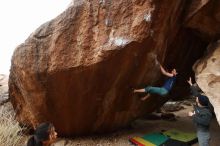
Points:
(165, 89)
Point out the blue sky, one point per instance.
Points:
(19, 18)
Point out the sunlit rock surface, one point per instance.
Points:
(78, 70)
(208, 76)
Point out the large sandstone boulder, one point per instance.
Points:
(208, 76)
(78, 70)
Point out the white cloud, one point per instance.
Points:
(19, 18)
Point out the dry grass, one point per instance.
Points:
(9, 128)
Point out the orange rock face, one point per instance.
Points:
(78, 70)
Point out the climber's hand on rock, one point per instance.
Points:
(191, 113)
(190, 81)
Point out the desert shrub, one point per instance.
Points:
(9, 128)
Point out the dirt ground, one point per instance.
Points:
(141, 127)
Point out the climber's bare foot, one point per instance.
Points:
(145, 97)
(139, 90)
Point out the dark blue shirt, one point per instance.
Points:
(202, 118)
(169, 83)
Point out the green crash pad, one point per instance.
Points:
(172, 142)
(181, 136)
(155, 139)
